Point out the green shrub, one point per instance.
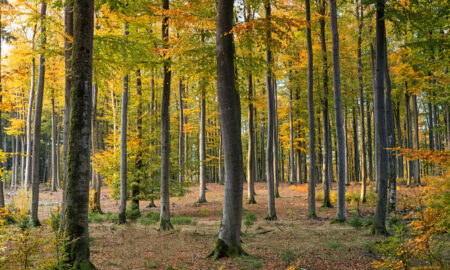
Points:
(149, 219)
(133, 214)
(356, 222)
(96, 217)
(249, 219)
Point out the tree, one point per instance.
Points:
(78, 175)
(123, 144)
(251, 160)
(338, 115)
(228, 243)
(271, 215)
(311, 126)
(380, 125)
(165, 130)
(202, 147)
(37, 121)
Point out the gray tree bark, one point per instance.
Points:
(228, 242)
(54, 157)
(202, 154)
(37, 121)
(340, 215)
(416, 140)
(123, 144)
(77, 193)
(165, 131)
(251, 162)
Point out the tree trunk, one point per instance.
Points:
(37, 122)
(347, 178)
(165, 131)
(340, 215)
(311, 126)
(392, 168)
(2, 178)
(380, 127)
(270, 122)
(292, 167)
(416, 140)
(325, 114)
(202, 139)
(96, 205)
(123, 144)
(54, 158)
(369, 142)
(251, 162)
(228, 243)
(355, 145)
(181, 166)
(360, 19)
(151, 203)
(76, 224)
(408, 133)
(68, 32)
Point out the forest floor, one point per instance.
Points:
(292, 240)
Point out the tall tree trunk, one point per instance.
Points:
(325, 114)
(181, 135)
(123, 144)
(202, 141)
(251, 162)
(392, 168)
(431, 129)
(2, 178)
(380, 127)
(139, 161)
(68, 32)
(229, 243)
(355, 145)
(276, 163)
(360, 19)
(292, 167)
(270, 120)
(399, 141)
(151, 203)
(37, 121)
(96, 205)
(369, 142)
(76, 224)
(165, 131)
(340, 215)
(346, 171)
(54, 163)
(408, 133)
(416, 140)
(311, 126)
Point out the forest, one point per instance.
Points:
(224, 134)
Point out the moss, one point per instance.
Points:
(83, 265)
(223, 250)
(338, 221)
(274, 217)
(165, 225)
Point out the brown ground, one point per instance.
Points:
(311, 244)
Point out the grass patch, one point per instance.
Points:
(133, 214)
(287, 256)
(356, 222)
(96, 217)
(248, 262)
(149, 219)
(334, 245)
(183, 220)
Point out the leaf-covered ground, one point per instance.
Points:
(293, 240)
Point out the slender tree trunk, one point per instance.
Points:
(400, 168)
(431, 129)
(151, 203)
(369, 142)
(408, 132)
(292, 167)
(202, 139)
(325, 114)
(139, 161)
(347, 178)
(356, 144)
(311, 126)
(165, 131)
(229, 243)
(270, 121)
(251, 162)
(37, 121)
(2, 178)
(340, 215)
(68, 32)
(54, 158)
(96, 207)
(181, 135)
(360, 19)
(76, 221)
(416, 140)
(123, 144)
(276, 163)
(380, 127)
(390, 129)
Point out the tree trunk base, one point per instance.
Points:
(122, 219)
(83, 265)
(274, 217)
(327, 204)
(251, 201)
(165, 225)
(151, 204)
(97, 209)
(223, 250)
(312, 216)
(377, 230)
(338, 221)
